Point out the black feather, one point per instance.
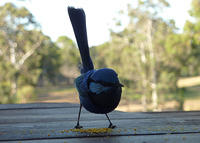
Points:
(78, 20)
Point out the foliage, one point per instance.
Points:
(70, 58)
(50, 61)
(148, 54)
(70, 54)
(25, 53)
(184, 51)
(137, 53)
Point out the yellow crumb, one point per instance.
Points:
(92, 130)
(62, 131)
(66, 131)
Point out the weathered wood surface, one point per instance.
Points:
(51, 122)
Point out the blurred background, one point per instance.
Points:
(154, 45)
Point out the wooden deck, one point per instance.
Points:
(54, 122)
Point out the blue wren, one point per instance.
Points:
(99, 89)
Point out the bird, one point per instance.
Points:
(99, 89)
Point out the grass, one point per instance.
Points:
(129, 97)
(50, 89)
(192, 93)
(129, 94)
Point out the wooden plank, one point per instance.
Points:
(37, 106)
(67, 115)
(46, 123)
(74, 110)
(125, 127)
(167, 138)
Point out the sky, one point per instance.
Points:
(53, 17)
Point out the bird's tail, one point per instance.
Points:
(78, 20)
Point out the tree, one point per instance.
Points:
(22, 51)
(50, 61)
(142, 46)
(70, 58)
(183, 52)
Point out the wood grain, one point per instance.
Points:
(36, 106)
(168, 138)
(50, 122)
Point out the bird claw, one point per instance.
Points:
(78, 127)
(111, 126)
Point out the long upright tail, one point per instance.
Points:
(78, 20)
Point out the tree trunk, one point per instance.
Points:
(143, 62)
(13, 88)
(154, 97)
(13, 45)
(144, 95)
(153, 66)
(181, 98)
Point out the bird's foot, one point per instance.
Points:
(78, 127)
(111, 126)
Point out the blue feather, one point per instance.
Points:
(99, 90)
(77, 17)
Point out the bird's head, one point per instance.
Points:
(106, 77)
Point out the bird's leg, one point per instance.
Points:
(111, 125)
(77, 125)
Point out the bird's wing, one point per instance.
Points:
(78, 20)
(80, 87)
